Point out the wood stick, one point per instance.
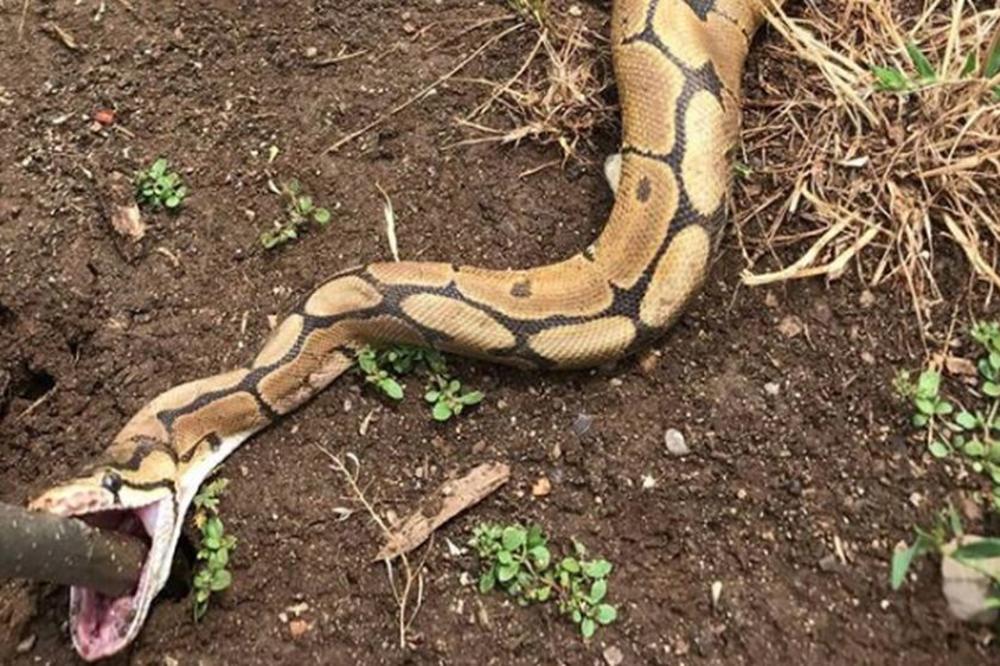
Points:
(42, 546)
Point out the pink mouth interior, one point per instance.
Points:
(100, 624)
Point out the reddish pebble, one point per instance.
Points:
(105, 116)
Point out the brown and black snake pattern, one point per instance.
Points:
(678, 66)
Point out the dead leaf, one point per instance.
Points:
(447, 501)
(127, 222)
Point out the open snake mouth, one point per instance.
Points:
(102, 625)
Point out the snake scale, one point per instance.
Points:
(678, 66)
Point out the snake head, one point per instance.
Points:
(140, 502)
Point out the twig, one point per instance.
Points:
(401, 597)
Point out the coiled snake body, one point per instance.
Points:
(678, 65)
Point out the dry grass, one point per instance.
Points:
(873, 180)
(555, 95)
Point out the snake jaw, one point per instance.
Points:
(101, 626)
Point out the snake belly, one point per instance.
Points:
(678, 65)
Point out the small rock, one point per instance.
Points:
(916, 499)
(574, 10)
(170, 661)
(582, 423)
(716, 593)
(867, 358)
(649, 361)
(772, 388)
(829, 563)
(968, 591)
(409, 28)
(648, 482)
(770, 300)
(542, 487)
(790, 326)
(741, 494)
(681, 647)
(298, 628)
(867, 299)
(26, 645)
(674, 440)
(311, 52)
(613, 655)
(105, 117)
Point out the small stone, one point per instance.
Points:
(574, 10)
(649, 361)
(170, 661)
(648, 482)
(26, 645)
(770, 300)
(790, 326)
(674, 440)
(829, 563)
(716, 593)
(542, 487)
(867, 299)
(105, 117)
(772, 388)
(968, 591)
(916, 499)
(681, 647)
(741, 494)
(298, 628)
(409, 28)
(582, 423)
(613, 655)
(867, 358)
(311, 52)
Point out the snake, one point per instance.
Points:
(678, 67)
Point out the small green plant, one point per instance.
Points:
(382, 368)
(160, 187)
(212, 576)
(448, 399)
(971, 430)
(517, 560)
(893, 79)
(300, 211)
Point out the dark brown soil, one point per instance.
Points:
(92, 326)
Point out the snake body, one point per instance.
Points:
(678, 65)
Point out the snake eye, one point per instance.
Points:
(112, 482)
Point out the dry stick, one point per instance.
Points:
(42, 546)
(402, 598)
(423, 92)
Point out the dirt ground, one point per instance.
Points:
(797, 442)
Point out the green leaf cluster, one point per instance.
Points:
(300, 210)
(970, 431)
(893, 79)
(212, 575)
(519, 561)
(382, 368)
(160, 187)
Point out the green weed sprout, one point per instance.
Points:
(212, 576)
(160, 187)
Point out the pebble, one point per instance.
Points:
(26, 645)
(298, 628)
(542, 487)
(867, 299)
(613, 655)
(582, 423)
(311, 52)
(772, 388)
(968, 591)
(676, 446)
(790, 326)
